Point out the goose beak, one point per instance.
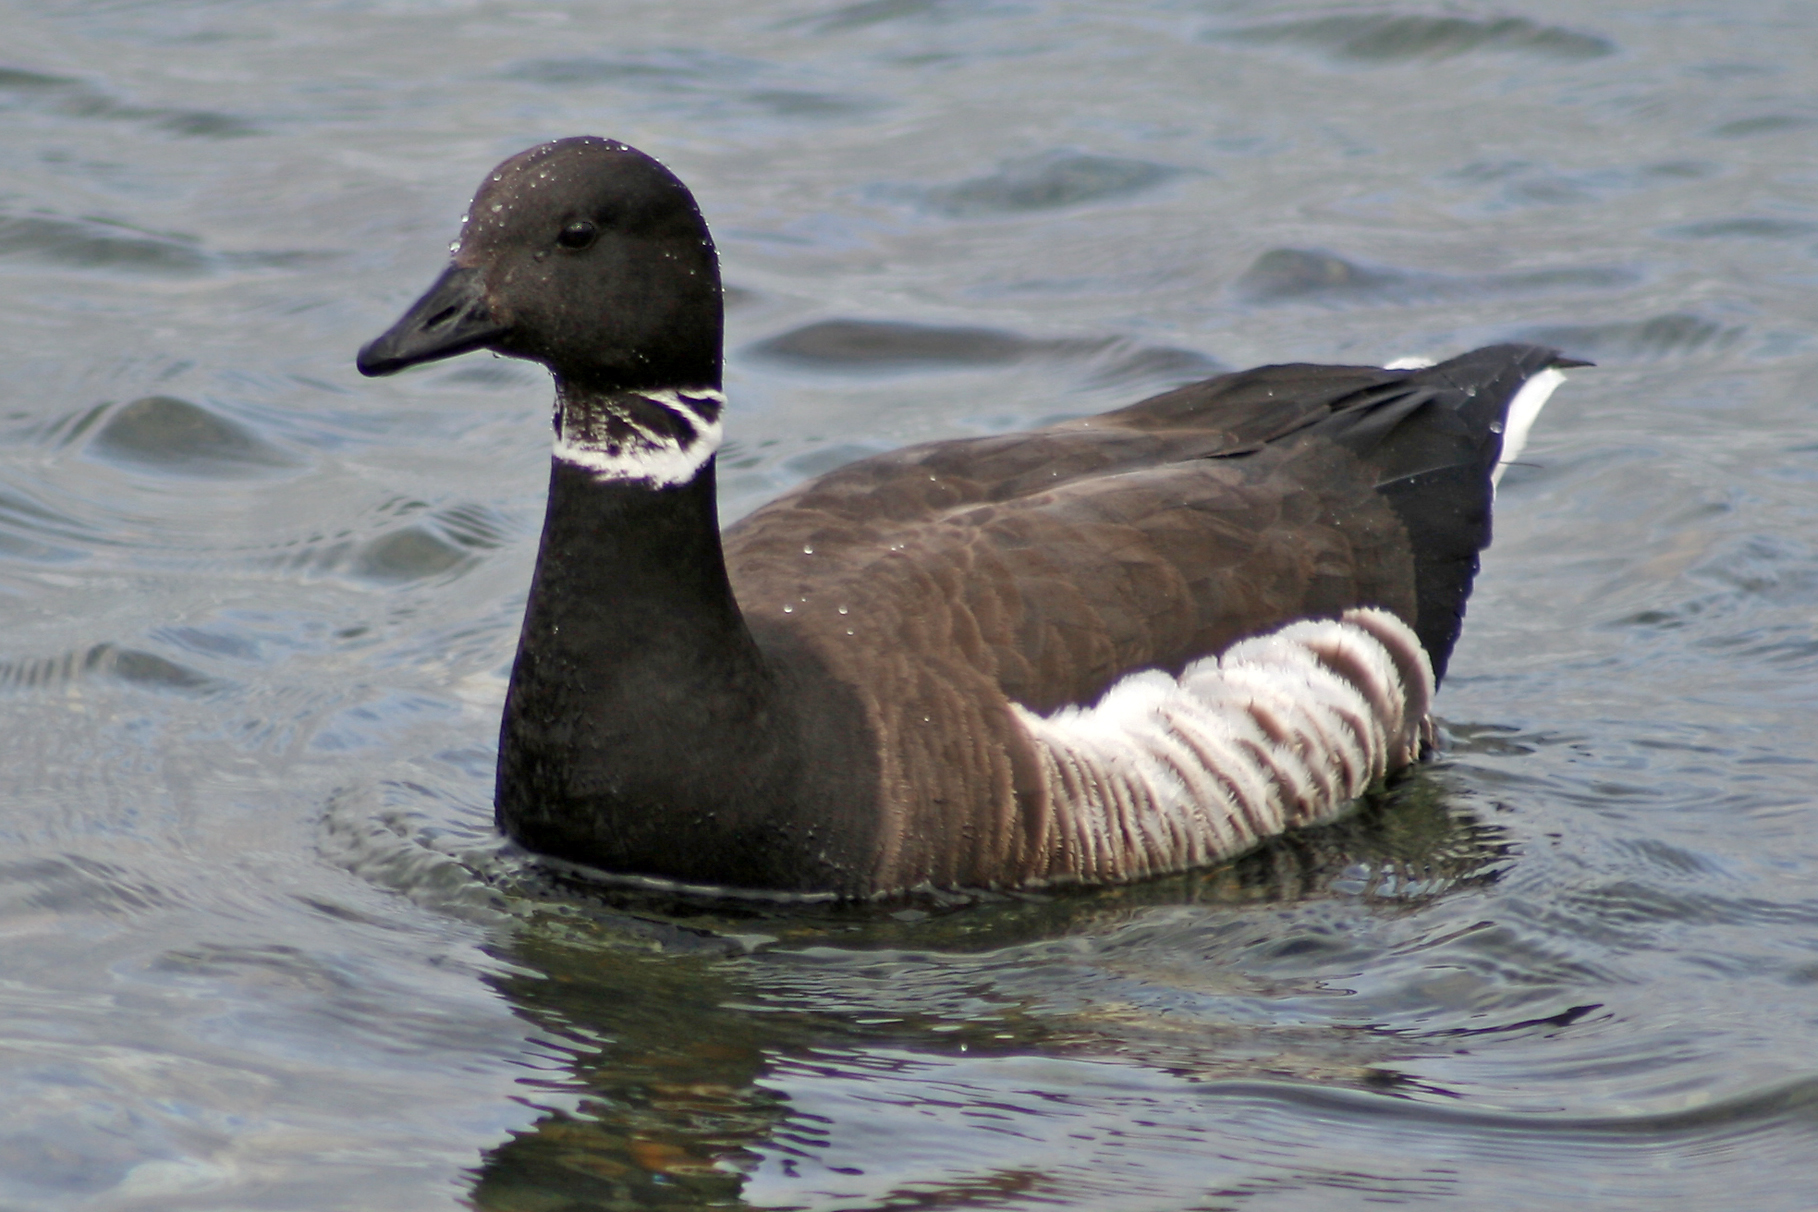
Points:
(451, 318)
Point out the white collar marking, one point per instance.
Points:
(659, 460)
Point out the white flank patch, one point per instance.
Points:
(1526, 405)
(1280, 731)
(1411, 362)
(639, 455)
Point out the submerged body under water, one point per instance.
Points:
(261, 947)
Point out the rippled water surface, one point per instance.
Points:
(258, 946)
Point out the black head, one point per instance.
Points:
(583, 254)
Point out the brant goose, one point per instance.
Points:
(1105, 649)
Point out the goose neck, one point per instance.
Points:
(628, 571)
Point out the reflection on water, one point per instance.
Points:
(1121, 1048)
(260, 947)
(799, 1062)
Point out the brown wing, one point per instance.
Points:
(1055, 561)
(940, 582)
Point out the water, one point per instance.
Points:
(260, 949)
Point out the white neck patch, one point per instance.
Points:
(661, 438)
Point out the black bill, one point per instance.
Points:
(451, 318)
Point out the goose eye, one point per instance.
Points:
(578, 234)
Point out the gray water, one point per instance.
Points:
(258, 946)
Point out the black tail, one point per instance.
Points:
(1435, 437)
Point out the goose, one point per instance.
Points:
(1102, 650)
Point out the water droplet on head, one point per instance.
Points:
(843, 610)
(788, 609)
(807, 549)
(1495, 426)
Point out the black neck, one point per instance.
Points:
(638, 570)
(641, 713)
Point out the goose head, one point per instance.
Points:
(585, 255)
